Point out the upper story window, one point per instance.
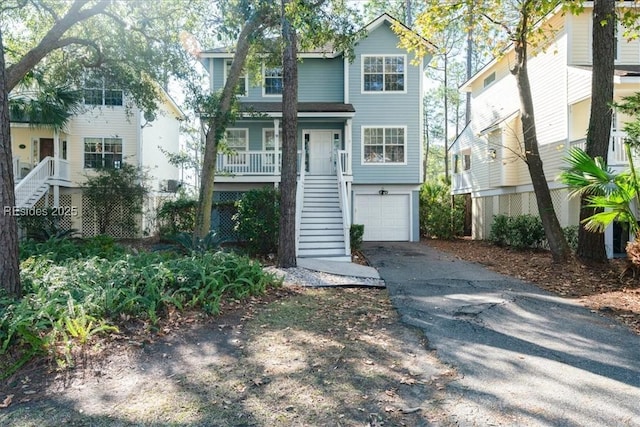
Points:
(269, 140)
(97, 90)
(102, 153)
(384, 145)
(384, 73)
(462, 161)
(489, 79)
(272, 81)
(243, 81)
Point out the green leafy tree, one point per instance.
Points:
(135, 44)
(518, 26)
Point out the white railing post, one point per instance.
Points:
(344, 202)
(300, 197)
(16, 169)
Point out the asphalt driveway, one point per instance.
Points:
(522, 355)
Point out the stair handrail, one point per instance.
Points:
(299, 198)
(36, 177)
(344, 203)
(16, 168)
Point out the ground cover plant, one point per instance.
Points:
(78, 289)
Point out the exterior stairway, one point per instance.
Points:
(321, 224)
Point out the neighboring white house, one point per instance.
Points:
(486, 156)
(50, 166)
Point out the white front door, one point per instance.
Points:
(320, 150)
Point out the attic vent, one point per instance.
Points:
(490, 79)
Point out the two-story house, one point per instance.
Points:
(487, 156)
(50, 165)
(359, 141)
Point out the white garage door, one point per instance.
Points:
(385, 218)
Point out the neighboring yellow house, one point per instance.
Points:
(50, 166)
(487, 167)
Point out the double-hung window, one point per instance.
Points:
(102, 153)
(98, 90)
(237, 141)
(272, 81)
(384, 145)
(243, 81)
(384, 73)
(269, 144)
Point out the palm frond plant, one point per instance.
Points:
(616, 194)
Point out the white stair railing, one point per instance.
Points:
(16, 169)
(299, 197)
(343, 157)
(31, 183)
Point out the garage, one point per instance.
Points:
(385, 217)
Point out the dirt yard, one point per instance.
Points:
(297, 357)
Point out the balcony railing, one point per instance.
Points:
(250, 163)
(267, 163)
(617, 155)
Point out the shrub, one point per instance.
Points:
(258, 220)
(44, 226)
(500, 230)
(571, 234)
(68, 301)
(116, 197)
(355, 234)
(522, 231)
(438, 217)
(177, 216)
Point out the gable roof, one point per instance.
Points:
(325, 51)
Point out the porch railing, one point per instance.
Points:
(16, 168)
(616, 155)
(344, 199)
(344, 162)
(250, 163)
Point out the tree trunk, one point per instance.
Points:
(217, 123)
(557, 242)
(288, 177)
(9, 264)
(591, 245)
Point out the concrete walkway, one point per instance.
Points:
(340, 268)
(523, 357)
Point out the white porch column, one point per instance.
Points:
(348, 144)
(56, 168)
(276, 147)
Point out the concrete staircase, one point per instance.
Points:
(321, 224)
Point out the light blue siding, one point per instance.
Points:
(319, 80)
(386, 109)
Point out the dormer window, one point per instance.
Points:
(385, 73)
(272, 78)
(98, 90)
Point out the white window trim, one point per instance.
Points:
(264, 94)
(383, 92)
(102, 138)
(363, 163)
(246, 147)
(245, 77)
(264, 137)
(104, 89)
